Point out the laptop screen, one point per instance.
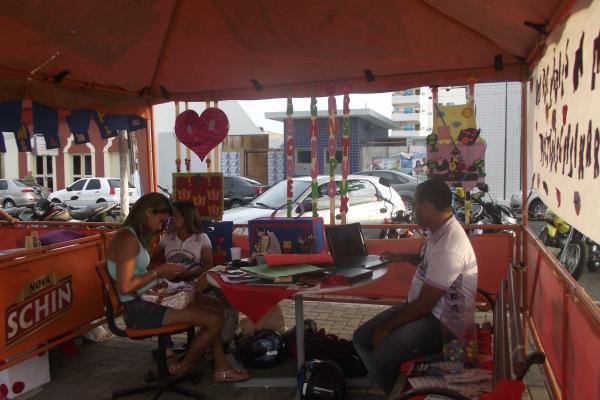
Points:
(346, 242)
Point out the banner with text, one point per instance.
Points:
(564, 93)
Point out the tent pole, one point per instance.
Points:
(124, 172)
(524, 152)
(153, 137)
(149, 140)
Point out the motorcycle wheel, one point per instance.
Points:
(576, 258)
(388, 234)
(543, 236)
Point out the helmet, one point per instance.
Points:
(264, 349)
(321, 380)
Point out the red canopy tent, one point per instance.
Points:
(120, 56)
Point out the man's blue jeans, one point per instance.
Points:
(416, 339)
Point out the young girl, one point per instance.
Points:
(128, 261)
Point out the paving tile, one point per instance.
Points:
(100, 368)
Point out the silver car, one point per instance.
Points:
(535, 206)
(16, 193)
(370, 202)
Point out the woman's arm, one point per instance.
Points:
(125, 250)
(206, 255)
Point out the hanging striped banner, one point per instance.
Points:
(331, 130)
(314, 169)
(289, 155)
(345, 149)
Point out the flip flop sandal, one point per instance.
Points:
(231, 375)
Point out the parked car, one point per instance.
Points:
(92, 190)
(239, 190)
(39, 189)
(370, 201)
(535, 206)
(405, 185)
(15, 193)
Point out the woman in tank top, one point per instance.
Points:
(128, 261)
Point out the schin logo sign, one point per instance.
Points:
(38, 303)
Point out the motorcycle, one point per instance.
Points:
(483, 212)
(46, 210)
(15, 212)
(396, 217)
(572, 248)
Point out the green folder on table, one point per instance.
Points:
(287, 270)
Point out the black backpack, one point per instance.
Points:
(321, 346)
(321, 380)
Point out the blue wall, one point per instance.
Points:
(359, 134)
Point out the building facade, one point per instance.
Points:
(412, 109)
(57, 168)
(366, 127)
(498, 113)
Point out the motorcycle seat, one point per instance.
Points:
(87, 211)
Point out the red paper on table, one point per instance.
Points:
(253, 300)
(276, 260)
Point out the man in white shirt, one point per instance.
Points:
(443, 288)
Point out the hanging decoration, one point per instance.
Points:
(205, 190)
(201, 133)
(345, 149)
(79, 125)
(331, 131)
(455, 150)
(314, 168)
(10, 119)
(23, 139)
(289, 149)
(105, 131)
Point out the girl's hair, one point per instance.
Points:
(137, 215)
(190, 215)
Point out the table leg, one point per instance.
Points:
(299, 311)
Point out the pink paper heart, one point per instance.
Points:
(201, 133)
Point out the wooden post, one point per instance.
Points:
(177, 143)
(209, 166)
(215, 159)
(153, 136)
(188, 153)
(124, 172)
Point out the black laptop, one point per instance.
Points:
(348, 248)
